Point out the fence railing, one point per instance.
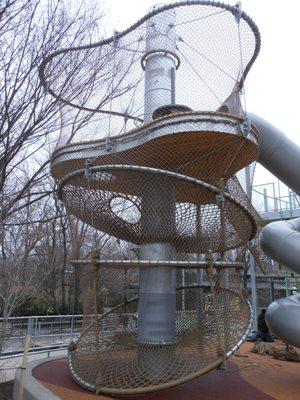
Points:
(46, 332)
(265, 200)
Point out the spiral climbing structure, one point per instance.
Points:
(162, 161)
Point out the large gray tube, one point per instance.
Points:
(278, 154)
(280, 240)
(283, 319)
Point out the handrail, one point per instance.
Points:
(290, 202)
(32, 351)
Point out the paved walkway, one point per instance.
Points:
(9, 366)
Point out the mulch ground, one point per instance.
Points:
(248, 377)
(6, 390)
(278, 379)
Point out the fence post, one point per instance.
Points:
(266, 204)
(72, 328)
(253, 290)
(272, 289)
(25, 358)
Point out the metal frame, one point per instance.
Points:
(126, 264)
(179, 123)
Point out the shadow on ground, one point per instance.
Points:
(6, 390)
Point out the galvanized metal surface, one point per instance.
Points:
(280, 240)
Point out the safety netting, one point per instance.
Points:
(209, 320)
(156, 155)
(216, 45)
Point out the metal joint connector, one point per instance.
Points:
(238, 11)
(115, 37)
(87, 171)
(245, 127)
(219, 197)
(108, 144)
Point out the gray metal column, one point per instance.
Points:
(157, 292)
(253, 291)
(160, 64)
(251, 258)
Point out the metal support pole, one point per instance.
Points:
(286, 284)
(251, 258)
(183, 291)
(253, 291)
(200, 271)
(266, 203)
(272, 289)
(157, 290)
(72, 328)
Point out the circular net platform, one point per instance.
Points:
(210, 321)
(113, 199)
(156, 156)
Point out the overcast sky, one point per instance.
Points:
(272, 87)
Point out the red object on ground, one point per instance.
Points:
(248, 377)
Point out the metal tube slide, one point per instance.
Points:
(278, 153)
(280, 240)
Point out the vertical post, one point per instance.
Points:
(272, 289)
(183, 291)
(251, 260)
(173, 92)
(157, 290)
(200, 271)
(286, 284)
(266, 204)
(95, 269)
(253, 291)
(72, 328)
(291, 203)
(32, 326)
(25, 358)
(279, 198)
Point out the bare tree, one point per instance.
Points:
(33, 229)
(30, 119)
(35, 233)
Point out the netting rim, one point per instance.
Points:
(118, 35)
(148, 54)
(145, 129)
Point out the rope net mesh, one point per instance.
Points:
(209, 322)
(196, 222)
(156, 155)
(108, 79)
